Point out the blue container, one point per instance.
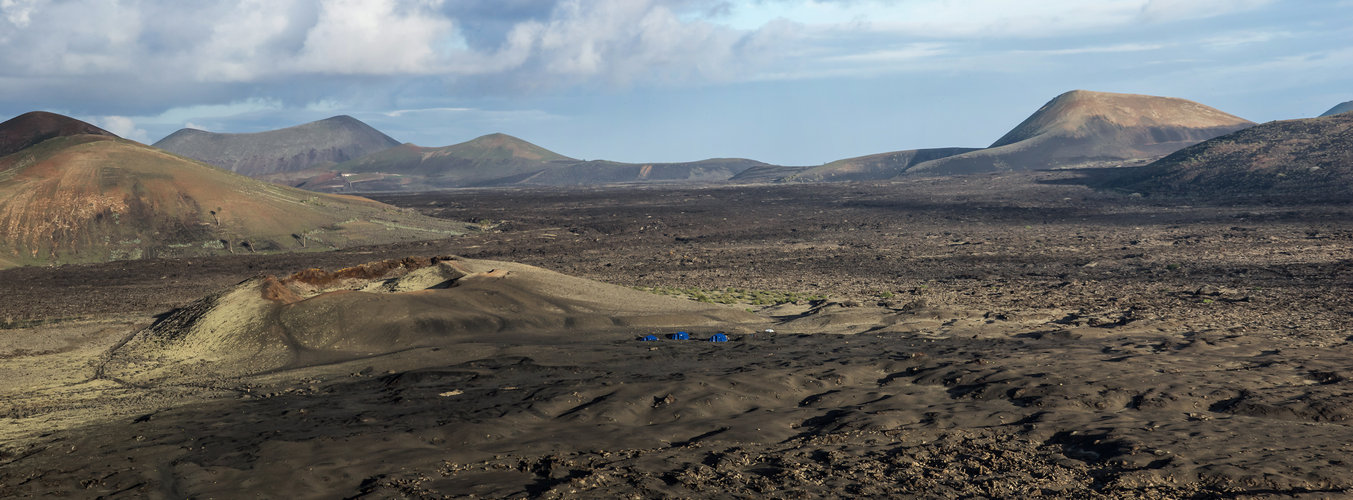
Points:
(681, 336)
(648, 338)
(718, 337)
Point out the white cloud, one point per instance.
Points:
(379, 37)
(977, 18)
(476, 114)
(242, 44)
(123, 126)
(1236, 39)
(628, 40)
(908, 53)
(252, 41)
(175, 116)
(1100, 49)
(18, 12)
(1174, 10)
(1327, 65)
(326, 106)
(401, 112)
(198, 117)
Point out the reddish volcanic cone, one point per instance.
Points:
(1082, 128)
(34, 127)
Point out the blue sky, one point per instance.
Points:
(794, 82)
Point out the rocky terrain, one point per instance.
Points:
(1306, 159)
(1007, 335)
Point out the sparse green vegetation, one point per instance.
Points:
(734, 295)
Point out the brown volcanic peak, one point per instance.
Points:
(1083, 128)
(321, 143)
(498, 147)
(34, 127)
(1311, 157)
(94, 198)
(1080, 112)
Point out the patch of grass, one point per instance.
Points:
(734, 295)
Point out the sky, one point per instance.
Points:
(791, 82)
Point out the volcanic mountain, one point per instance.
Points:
(85, 195)
(873, 167)
(1083, 128)
(1310, 158)
(321, 143)
(495, 160)
(487, 160)
(1342, 107)
(34, 127)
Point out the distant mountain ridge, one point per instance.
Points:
(1084, 128)
(320, 143)
(496, 160)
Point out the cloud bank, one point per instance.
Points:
(528, 43)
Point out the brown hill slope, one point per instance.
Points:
(92, 198)
(873, 167)
(34, 127)
(321, 143)
(496, 160)
(1311, 158)
(1083, 128)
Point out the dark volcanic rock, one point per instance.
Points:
(1310, 157)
